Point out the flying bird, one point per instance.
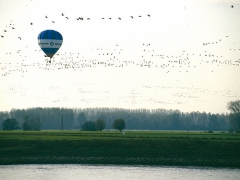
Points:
(62, 14)
(46, 17)
(53, 22)
(19, 38)
(148, 15)
(131, 17)
(232, 6)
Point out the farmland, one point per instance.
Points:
(216, 149)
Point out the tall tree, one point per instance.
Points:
(31, 124)
(213, 122)
(119, 124)
(88, 126)
(234, 116)
(3, 115)
(10, 124)
(100, 124)
(81, 119)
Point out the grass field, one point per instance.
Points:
(111, 147)
(79, 135)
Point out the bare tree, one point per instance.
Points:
(234, 116)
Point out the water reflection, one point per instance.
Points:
(111, 172)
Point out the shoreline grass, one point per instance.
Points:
(111, 147)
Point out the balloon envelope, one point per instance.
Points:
(50, 41)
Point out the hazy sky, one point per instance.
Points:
(171, 54)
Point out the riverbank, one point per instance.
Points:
(134, 148)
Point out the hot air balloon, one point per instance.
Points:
(50, 41)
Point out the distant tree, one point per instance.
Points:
(31, 124)
(100, 124)
(10, 124)
(119, 124)
(156, 119)
(4, 115)
(213, 123)
(175, 119)
(88, 126)
(234, 116)
(81, 119)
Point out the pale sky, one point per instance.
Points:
(171, 54)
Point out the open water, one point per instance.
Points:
(112, 172)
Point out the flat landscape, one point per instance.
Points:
(217, 149)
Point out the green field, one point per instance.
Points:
(111, 147)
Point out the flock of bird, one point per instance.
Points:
(88, 18)
(67, 60)
(8, 28)
(11, 25)
(148, 56)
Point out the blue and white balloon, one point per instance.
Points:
(50, 41)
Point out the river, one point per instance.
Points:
(112, 172)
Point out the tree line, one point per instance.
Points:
(141, 119)
(100, 125)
